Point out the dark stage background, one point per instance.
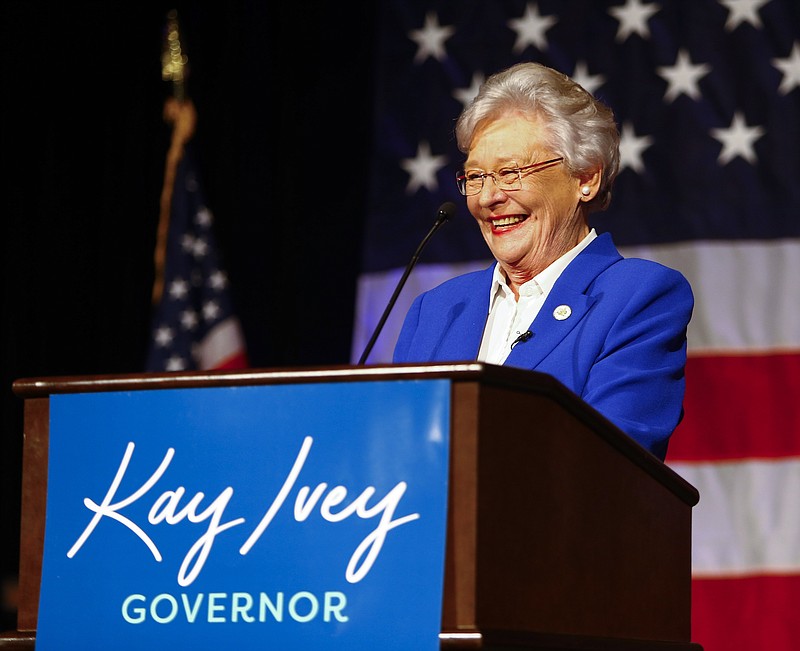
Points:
(284, 103)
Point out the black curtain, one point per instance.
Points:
(283, 94)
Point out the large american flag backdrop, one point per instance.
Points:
(707, 97)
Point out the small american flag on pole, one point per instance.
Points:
(194, 324)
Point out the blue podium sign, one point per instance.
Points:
(291, 517)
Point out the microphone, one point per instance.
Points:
(522, 338)
(446, 211)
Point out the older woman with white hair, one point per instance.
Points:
(541, 155)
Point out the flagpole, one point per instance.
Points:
(179, 111)
(194, 324)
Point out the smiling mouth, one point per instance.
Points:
(511, 220)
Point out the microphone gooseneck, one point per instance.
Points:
(446, 212)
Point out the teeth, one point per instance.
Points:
(507, 221)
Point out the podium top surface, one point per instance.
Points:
(456, 372)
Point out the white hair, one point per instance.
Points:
(580, 127)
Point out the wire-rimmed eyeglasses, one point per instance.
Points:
(470, 182)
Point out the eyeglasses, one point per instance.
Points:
(470, 182)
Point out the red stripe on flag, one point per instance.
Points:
(739, 407)
(235, 362)
(729, 614)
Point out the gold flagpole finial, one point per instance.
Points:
(174, 63)
(180, 113)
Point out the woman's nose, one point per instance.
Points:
(490, 193)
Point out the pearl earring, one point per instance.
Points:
(586, 190)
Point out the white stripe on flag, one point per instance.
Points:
(741, 290)
(735, 284)
(748, 519)
(224, 341)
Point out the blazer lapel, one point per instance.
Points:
(466, 320)
(567, 304)
(561, 312)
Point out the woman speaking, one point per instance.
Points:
(541, 155)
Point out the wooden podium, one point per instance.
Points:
(562, 532)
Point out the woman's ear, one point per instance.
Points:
(590, 184)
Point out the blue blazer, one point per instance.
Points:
(622, 348)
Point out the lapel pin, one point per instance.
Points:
(562, 312)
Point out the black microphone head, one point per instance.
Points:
(446, 211)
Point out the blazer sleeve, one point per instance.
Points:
(637, 381)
